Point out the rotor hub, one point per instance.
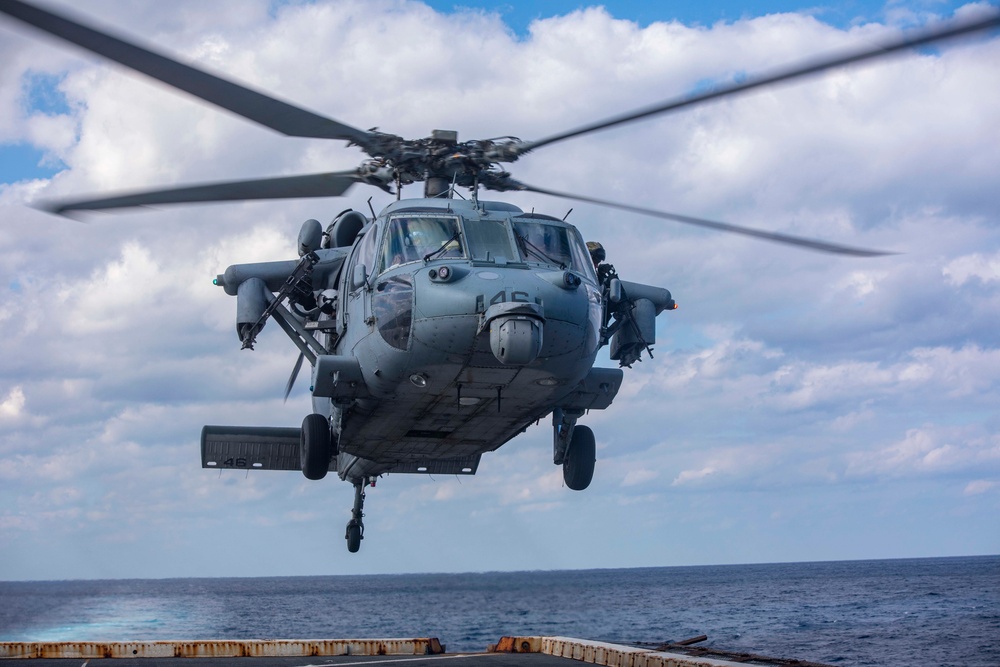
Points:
(439, 160)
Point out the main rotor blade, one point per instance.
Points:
(295, 374)
(275, 114)
(332, 184)
(910, 40)
(775, 237)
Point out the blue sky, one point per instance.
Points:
(519, 15)
(22, 160)
(799, 407)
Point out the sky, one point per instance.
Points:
(799, 407)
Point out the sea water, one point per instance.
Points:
(938, 611)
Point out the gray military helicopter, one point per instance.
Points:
(442, 327)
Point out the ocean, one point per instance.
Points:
(932, 611)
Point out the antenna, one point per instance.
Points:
(371, 208)
(567, 214)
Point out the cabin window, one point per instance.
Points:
(411, 238)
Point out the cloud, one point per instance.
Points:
(783, 371)
(636, 477)
(12, 405)
(930, 450)
(975, 266)
(687, 476)
(111, 297)
(979, 486)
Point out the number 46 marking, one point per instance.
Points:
(501, 297)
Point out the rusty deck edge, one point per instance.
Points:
(581, 650)
(603, 653)
(271, 648)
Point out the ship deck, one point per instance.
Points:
(421, 652)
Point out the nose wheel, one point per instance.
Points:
(356, 527)
(355, 530)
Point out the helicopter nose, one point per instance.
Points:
(516, 341)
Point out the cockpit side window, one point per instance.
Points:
(582, 261)
(411, 238)
(552, 244)
(547, 244)
(367, 252)
(363, 253)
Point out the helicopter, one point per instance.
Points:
(439, 328)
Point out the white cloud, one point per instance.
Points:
(929, 450)
(12, 405)
(863, 283)
(978, 486)
(687, 476)
(761, 376)
(640, 476)
(782, 371)
(963, 269)
(115, 294)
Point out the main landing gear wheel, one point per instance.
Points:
(578, 466)
(315, 446)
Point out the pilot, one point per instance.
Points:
(605, 272)
(405, 244)
(597, 254)
(433, 237)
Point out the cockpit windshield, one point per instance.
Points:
(556, 245)
(489, 239)
(412, 238)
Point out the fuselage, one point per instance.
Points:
(469, 322)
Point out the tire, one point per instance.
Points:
(353, 537)
(578, 466)
(315, 448)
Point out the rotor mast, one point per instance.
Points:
(437, 184)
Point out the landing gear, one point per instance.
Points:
(354, 536)
(578, 462)
(315, 446)
(356, 527)
(573, 448)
